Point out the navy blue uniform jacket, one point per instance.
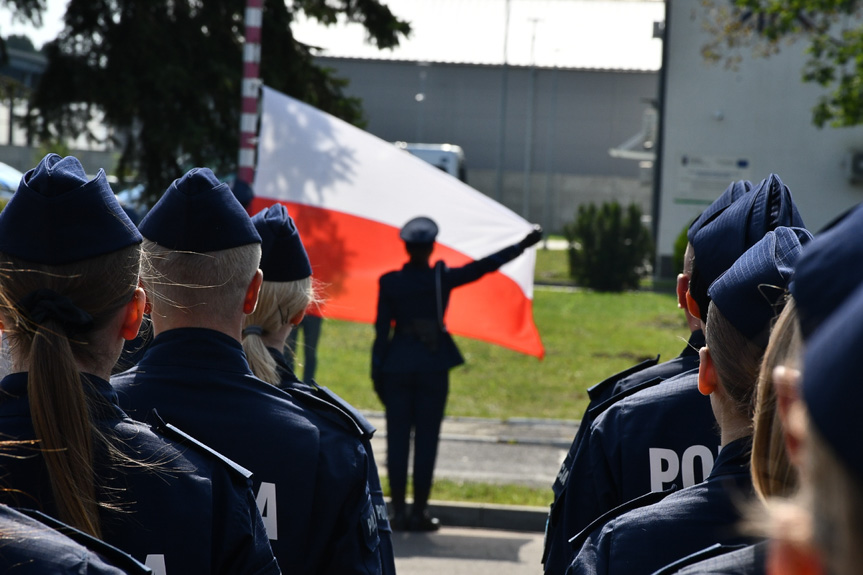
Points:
(722, 560)
(556, 555)
(31, 547)
(194, 514)
(409, 294)
(292, 384)
(644, 539)
(646, 440)
(310, 477)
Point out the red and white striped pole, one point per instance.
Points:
(251, 81)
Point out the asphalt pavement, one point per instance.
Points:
(516, 451)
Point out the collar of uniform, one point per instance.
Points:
(285, 372)
(197, 347)
(14, 386)
(733, 459)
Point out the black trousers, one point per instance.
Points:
(414, 402)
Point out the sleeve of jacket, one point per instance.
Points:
(240, 544)
(476, 269)
(353, 548)
(383, 325)
(595, 554)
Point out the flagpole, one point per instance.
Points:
(251, 82)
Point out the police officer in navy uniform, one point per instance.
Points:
(71, 261)
(559, 526)
(310, 476)
(826, 274)
(642, 536)
(410, 367)
(287, 292)
(658, 435)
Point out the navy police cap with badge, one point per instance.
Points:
(421, 230)
(719, 243)
(753, 288)
(829, 271)
(198, 213)
(831, 382)
(60, 216)
(283, 256)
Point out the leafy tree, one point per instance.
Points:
(166, 75)
(832, 28)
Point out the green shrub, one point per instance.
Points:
(609, 247)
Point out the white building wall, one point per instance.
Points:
(722, 125)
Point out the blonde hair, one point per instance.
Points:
(773, 475)
(198, 283)
(278, 303)
(61, 411)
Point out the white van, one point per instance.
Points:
(447, 157)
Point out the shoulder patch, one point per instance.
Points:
(326, 409)
(597, 390)
(164, 428)
(594, 411)
(369, 527)
(641, 501)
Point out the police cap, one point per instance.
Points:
(720, 242)
(831, 382)
(421, 230)
(198, 213)
(731, 194)
(283, 256)
(59, 215)
(829, 271)
(748, 293)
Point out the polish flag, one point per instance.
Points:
(350, 193)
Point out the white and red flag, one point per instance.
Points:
(351, 192)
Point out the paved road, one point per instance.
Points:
(456, 551)
(522, 452)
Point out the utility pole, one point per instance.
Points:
(251, 83)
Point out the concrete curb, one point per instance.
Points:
(487, 516)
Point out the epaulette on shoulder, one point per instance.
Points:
(594, 411)
(598, 389)
(714, 550)
(173, 433)
(324, 408)
(641, 501)
(332, 397)
(113, 555)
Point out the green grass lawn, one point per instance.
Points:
(587, 336)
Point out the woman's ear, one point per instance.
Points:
(133, 313)
(791, 412)
(707, 380)
(251, 300)
(148, 306)
(692, 305)
(295, 321)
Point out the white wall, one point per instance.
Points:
(744, 124)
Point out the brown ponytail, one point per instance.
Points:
(53, 352)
